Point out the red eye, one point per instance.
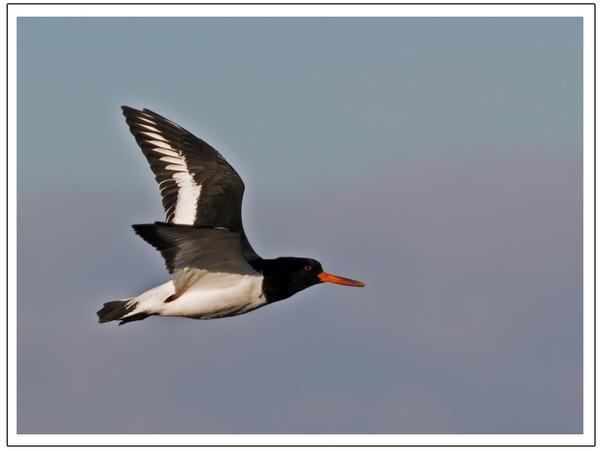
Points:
(307, 268)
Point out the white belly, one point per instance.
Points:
(217, 295)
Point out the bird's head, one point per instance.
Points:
(285, 276)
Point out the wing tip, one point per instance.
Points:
(129, 113)
(133, 113)
(151, 234)
(127, 109)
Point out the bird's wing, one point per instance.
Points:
(197, 185)
(192, 252)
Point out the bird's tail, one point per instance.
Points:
(119, 310)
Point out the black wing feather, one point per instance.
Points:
(195, 247)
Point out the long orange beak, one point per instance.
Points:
(326, 277)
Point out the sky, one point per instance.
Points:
(437, 159)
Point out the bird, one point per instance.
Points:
(214, 271)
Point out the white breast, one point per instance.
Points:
(214, 295)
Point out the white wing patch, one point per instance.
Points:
(188, 191)
(187, 198)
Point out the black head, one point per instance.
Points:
(285, 276)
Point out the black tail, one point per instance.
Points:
(115, 310)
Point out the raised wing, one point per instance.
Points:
(197, 185)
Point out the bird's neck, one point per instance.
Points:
(276, 283)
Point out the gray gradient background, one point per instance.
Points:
(439, 160)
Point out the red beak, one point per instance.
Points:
(326, 277)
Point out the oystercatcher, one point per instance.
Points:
(214, 271)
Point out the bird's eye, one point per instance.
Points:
(307, 268)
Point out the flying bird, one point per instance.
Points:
(214, 270)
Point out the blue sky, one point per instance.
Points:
(437, 159)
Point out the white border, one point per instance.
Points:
(290, 10)
(585, 11)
